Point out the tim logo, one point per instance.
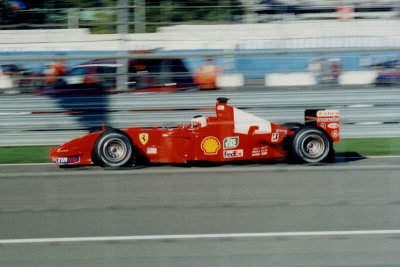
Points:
(67, 160)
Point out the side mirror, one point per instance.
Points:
(252, 129)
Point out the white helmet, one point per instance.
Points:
(198, 120)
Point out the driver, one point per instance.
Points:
(198, 121)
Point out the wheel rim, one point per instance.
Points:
(115, 150)
(313, 146)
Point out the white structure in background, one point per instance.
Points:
(230, 80)
(307, 79)
(290, 79)
(274, 35)
(6, 81)
(357, 77)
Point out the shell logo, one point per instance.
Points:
(210, 145)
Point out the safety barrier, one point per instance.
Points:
(307, 79)
(230, 80)
(357, 77)
(5, 82)
(40, 120)
(289, 79)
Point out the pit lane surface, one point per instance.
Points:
(241, 215)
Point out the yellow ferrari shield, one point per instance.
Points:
(143, 137)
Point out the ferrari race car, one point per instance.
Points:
(231, 135)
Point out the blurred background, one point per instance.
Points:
(69, 67)
(72, 65)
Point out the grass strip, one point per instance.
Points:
(370, 146)
(24, 154)
(364, 147)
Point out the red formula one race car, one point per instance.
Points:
(231, 135)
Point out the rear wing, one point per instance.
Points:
(325, 119)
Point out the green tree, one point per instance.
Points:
(167, 12)
(68, 3)
(158, 12)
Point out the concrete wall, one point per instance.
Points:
(286, 34)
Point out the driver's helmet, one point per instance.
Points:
(198, 121)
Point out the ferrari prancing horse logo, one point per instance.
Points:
(143, 137)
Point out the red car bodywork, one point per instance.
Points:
(230, 135)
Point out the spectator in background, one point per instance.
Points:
(54, 73)
(316, 69)
(90, 76)
(335, 70)
(206, 75)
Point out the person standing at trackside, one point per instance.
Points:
(206, 75)
(316, 69)
(335, 70)
(53, 75)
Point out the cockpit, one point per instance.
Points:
(198, 121)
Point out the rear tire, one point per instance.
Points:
(311, 145)
(113, 149)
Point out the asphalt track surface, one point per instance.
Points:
(341, 214)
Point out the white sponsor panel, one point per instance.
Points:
(259, 151)
(231, 142)
(274, 137)
(151, 150)
(237, 153)
(67, 160)
(328, 113)
(328, 120)
(62, 160)
(333, 125)
(244, 121)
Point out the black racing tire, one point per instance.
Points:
(113, 149)
(311, 145)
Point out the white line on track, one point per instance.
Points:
(197, 236)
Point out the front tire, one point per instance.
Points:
(113, 149)
(311, 145)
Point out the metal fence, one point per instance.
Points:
(137, 16)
